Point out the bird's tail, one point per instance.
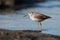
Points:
(48, 17)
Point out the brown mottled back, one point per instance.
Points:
(40, 16)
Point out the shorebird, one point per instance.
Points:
(35, 16)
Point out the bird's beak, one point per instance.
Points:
(25, 15)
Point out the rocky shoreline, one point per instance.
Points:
(26, 35)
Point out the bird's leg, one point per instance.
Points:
(40, 27)
(37, 25)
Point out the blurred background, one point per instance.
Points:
(12, 12)
(17, 4)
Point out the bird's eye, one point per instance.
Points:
(31, 12)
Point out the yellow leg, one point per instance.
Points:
(37, 25)
(40, 26)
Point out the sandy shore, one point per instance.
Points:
(25, 35)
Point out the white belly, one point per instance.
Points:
(34, 19)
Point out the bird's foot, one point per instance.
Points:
(39, 30)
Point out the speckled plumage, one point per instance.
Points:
(37, 16)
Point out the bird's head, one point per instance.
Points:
(30, 13)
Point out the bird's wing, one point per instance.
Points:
(41, 16)
(38, 16)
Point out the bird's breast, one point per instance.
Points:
(34, 19)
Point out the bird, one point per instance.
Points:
(38, 17)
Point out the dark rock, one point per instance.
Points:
(26, 35)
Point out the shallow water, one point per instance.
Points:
(16, 21)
